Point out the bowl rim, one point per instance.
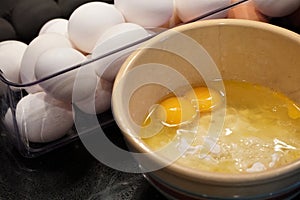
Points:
(189, 173)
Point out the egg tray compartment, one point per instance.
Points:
(30, 149)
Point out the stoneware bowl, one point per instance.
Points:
(256, 52)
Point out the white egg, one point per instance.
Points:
(41, 118)
(146, 13)
(8, 69)
(36, 47)
(14, 50)
(8, 121)
(10, 72)
(276, 8)
(99, 101)
(188, 10)
(115, 37)
(89, 21)
(11, 53)
(57, 25)
(61, 87)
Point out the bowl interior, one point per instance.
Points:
(242, 50)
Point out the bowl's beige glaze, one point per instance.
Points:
(243, 50)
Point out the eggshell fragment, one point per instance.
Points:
(41, 118)
(188, 10)
(146, 13)
(277, 8)
(115, 37)
(57, 25)
(99, 101)
(89, 21)
(246, 10)
(39, 45)
(61, 87)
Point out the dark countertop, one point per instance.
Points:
(69, 172)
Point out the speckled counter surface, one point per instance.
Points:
(67, 173)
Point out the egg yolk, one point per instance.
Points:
(175, 110)
(203, 99)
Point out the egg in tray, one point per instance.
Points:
(44, 37)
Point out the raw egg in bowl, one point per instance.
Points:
(215, 104)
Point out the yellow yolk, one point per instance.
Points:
(203, 99)
(175, 110)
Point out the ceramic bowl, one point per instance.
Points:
(243, 50)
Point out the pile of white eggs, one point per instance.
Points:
(93, 29)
